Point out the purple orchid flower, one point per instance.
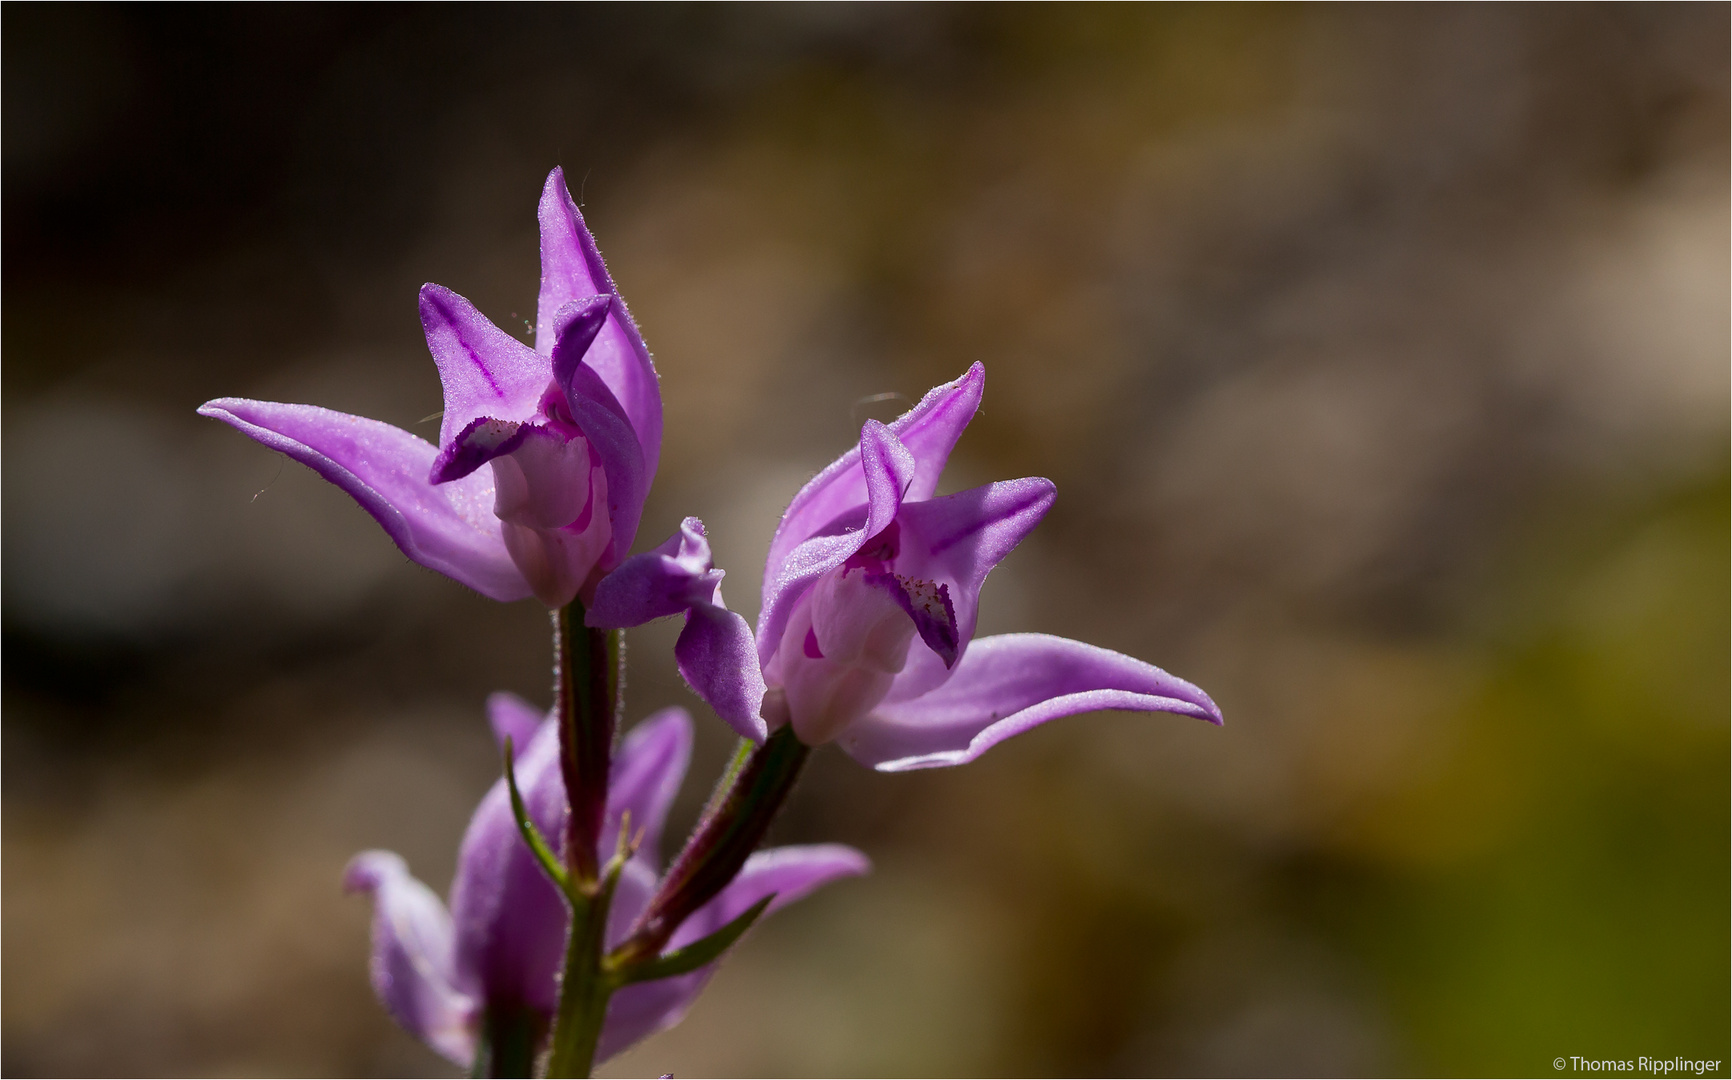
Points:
(572, 429)
(500, 945)
(871, 593)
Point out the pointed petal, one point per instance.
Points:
(931, 428)
(510, 920)
(956, 540)
(575, 327)
(791, 873)
(929, 431)
(719, 661)
(890, 467)
(411, 968)
(1004, 686)
(887, 468)
(571, 268)
(449, 528)
(511, 716)
(645, 777)
(488, 375)
(666, 580)
(613, 442)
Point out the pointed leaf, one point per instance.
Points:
(532, 835)
(703, 951)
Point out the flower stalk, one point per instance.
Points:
(752, 790)
(587, 680)
(724, 839)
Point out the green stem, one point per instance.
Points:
(585, 989)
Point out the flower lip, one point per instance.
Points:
(484, 439)
(928, 604)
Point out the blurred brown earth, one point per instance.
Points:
(1380, 356)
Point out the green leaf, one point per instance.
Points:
(700, 952)
(531, 835)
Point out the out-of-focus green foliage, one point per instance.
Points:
(1558, 884)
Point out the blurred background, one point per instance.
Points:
(1380, 356)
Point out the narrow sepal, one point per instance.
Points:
(572, 268)
(449, 528)
(485, 372)
(1006, 685)
(613, 442)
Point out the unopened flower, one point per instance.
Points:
(870, 597)
(570, 429)
(498, 949)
